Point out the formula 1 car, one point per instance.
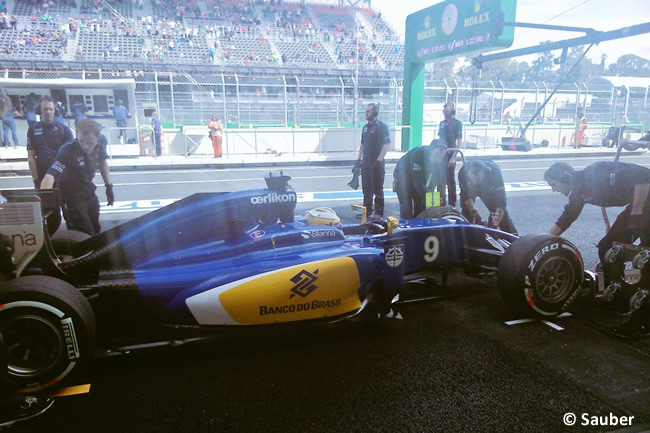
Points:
(218, 261)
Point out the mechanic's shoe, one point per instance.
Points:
(28, 408)
(630, 330)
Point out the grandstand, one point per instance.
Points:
(304, 61)
(247, 34)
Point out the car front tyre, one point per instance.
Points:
(540, 275)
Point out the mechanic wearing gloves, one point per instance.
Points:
(44, 139)
(420, 171)
(74, 169)
(605, 184)
(482, 178)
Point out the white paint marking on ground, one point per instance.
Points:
(519, 321)
(553, 325)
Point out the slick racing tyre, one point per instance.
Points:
(540, 275)
(446, 212)
(63, 243)
(48, 330)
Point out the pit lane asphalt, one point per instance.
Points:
(451, 365)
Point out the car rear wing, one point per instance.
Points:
(21, 219)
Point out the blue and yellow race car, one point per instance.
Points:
(215, 261)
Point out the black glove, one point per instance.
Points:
(476, 218)
(37, 183)
(110, 195)
(634, 223)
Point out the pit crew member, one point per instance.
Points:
(420, 171)
(605, 184)
(44, 139)
(375, 140)
(481, 178)
(74, 169)
(451, 132)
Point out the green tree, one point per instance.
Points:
(630, 65)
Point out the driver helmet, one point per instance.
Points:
(322, 216)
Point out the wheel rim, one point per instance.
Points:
(454, 217)
(34, 344)
(555, 280)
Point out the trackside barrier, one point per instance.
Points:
(193, 140)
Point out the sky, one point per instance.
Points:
(600, 15)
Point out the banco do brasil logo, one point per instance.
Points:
(304, 283)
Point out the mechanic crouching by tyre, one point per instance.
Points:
(482, 179)
(74, 169)
(420, 171)
(14, 406)
(607, 184)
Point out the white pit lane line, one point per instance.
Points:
(546, 322)
(304, 197)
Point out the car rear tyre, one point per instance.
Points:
(48, 330)
(540, 275)
(446, 212)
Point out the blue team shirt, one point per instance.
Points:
(74, 171)
(373, 137)
(46, 140)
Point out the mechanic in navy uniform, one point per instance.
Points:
(375, 140)
(121, 113)
(451, 132)
(74, 169)
(420, 171)
(605, 184)
(157, 131)
(608, 184)
(14, 406)
(44, 139)
(481, 178)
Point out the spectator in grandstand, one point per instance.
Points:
(216, 135)
(375, 140)
(157, 132)
(29, 108)
(451, 132)
(44, 139)
(417, 173)
(74, 170)
(482, 179)
(9, 124)
(79, 110)
(581, 126)
(121, 113)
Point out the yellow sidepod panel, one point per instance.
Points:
(309, 291)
